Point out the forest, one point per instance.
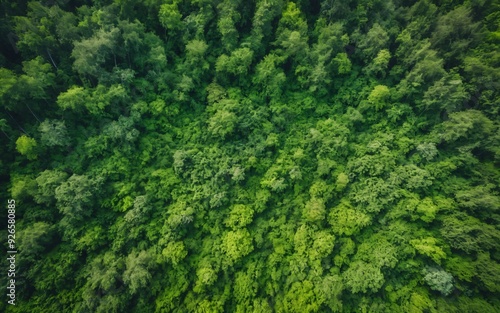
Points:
(251, 156)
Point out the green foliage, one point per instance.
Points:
(427, 150)
(136, 275)
(380, 63)
(428, 246)
(300, 298)
(237, 63)
(469, 234)
(269, 76)
(488, 271)
(346, 220)
(169, 16)
(342, 181)
(466, 125)
(236, 244)
(363, 277)
(438, 280)
(8, 80)
(38, 79)
(343, 63)
(222, 123)
(427, 209)
(102, 276)
(53, 133)
(463, 269)
(239, 156)
(378, 252)
(479, 198)
(448, 94)
(378, 97)
(419, 302)
(455, 27)
(75, 196)
(323, 244)
(27, 146)
(103, 97)
(22, 187)
(47, 182)
(92, 53)
(34, 239)
(74, 98)
(314, 210)
(240, 216)
(206, 276)
(244, 287)
(374, 41)
(175, 252)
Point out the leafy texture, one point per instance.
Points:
(252, 156)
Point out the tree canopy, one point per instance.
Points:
(252, 156)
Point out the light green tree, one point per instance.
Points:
(363, 277)
(236, 245)
(378, 97)
(428, 246)
(27, 146)
(170, 17)
(240, 216)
